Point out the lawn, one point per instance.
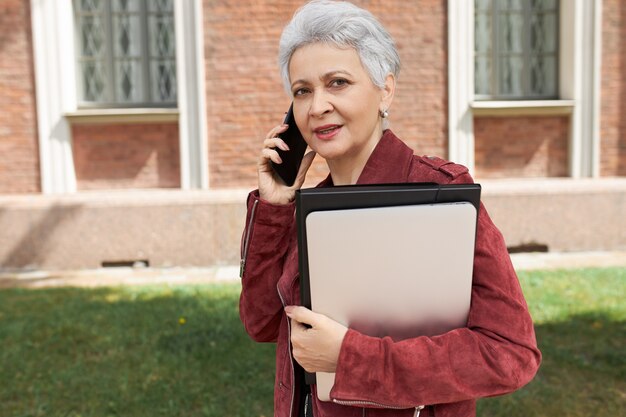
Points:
(181, 351)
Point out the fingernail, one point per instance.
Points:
(289, 310)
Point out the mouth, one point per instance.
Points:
(327, 131)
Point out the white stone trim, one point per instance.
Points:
(52, 25)
(571, 57)
(580, 81)
(194, 165)
(122, 115)
(461, 82)
(596, 88)
(523, 108)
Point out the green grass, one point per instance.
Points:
(580, 321)
(126, 352)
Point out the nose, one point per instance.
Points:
(320, 105)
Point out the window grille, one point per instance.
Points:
(516, 49)
(126, 53)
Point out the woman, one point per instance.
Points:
(340, 66)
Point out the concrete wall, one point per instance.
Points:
(181, 228)
(166, 228)
(563, 214)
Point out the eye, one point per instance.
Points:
(300, 92)
(339, 82)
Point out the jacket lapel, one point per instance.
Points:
(389, 163)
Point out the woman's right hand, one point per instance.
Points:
(271, 188)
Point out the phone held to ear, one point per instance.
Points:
(292, 158)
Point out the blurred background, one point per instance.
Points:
(129, 132)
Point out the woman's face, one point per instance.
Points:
(336, 104)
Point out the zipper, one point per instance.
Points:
(418, 409)
(293, 372)
(307, 399)
(246, 242)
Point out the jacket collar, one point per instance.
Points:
(389, 163)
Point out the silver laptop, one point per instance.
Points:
(400, 271)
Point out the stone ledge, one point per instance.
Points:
(508, 108)
(123, 115)
(167, 228)
(139, 197)
(534, 186)
(490, 187)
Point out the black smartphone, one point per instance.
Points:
(292, 158)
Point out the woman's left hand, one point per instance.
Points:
(316, 348)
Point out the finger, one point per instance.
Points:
(268, 154)
(276, 130)
(306, 163)
(303, 315)
(297, 327)
(275, 142)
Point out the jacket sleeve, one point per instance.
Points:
(264, 244)
(495, 354)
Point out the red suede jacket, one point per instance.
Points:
(495, 354)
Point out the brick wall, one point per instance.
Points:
(245, 97)
(126, 156)
(19, 155)
(521, 147)
(613, 93)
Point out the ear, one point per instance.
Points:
(387, 91)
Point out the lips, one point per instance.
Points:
(327, 131)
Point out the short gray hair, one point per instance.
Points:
(343, 25)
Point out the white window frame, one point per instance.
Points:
(55, 77)
(579, 84)
(50, 21)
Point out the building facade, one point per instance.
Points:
(101, 97)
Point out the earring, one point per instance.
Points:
(383, 113)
